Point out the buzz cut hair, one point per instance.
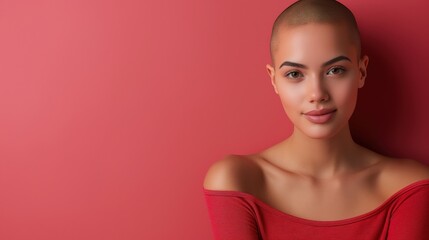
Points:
(315, 11)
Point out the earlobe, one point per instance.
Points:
(363, 64)
(271, 74)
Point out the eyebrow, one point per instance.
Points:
(299, 65)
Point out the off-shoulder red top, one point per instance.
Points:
(237, 215)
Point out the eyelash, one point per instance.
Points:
(337, 68)
(288, 74)
(341, 69)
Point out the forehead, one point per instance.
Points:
(313, 43)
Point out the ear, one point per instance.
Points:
(363, 64)
(272, 74)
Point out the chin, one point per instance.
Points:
(320, 135)
(323, 131)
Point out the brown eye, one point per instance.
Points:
(336, 71)
(294, 74)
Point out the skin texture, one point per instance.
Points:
(318, 172)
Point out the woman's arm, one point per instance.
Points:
(232, 217)
(231, 214)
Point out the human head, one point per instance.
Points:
(317, 65)
(316, 11)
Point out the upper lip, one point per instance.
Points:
(319, 112)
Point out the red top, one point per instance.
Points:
(237, 215)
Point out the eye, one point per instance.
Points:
(294, 74)
(336, 71)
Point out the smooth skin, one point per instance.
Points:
(319, 172)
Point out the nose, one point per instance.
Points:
(317, 91)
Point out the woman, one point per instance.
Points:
(318, 183)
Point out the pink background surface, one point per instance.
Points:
(112, 111)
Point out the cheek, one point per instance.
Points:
(291, 98)
(346, 97)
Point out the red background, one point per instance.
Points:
(112, 111)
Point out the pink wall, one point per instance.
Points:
(112, 111)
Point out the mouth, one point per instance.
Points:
(319, 116)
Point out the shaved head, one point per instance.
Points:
(315, 11)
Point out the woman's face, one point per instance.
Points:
(317, 73)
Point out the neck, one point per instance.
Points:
(322, 158)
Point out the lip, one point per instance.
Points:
(319, 116)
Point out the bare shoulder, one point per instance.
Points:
(233, 172)
(398, 173)
(406, 169)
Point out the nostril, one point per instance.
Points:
(325, 98)
(319, 98)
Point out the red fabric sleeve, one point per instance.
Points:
(411, 218)
(232, 217)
